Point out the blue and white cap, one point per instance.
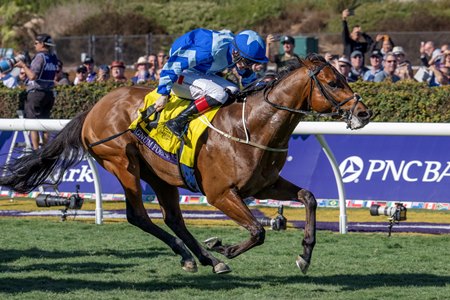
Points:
(251, 46)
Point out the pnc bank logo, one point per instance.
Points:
(351, 168)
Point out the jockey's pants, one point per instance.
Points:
(194, 85)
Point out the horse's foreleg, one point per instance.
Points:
(285, 190)
(235, 208)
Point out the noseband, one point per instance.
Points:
(337, 106)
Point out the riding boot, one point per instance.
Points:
(178, 124)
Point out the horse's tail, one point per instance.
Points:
(48, 164)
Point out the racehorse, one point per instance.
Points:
(229, 168)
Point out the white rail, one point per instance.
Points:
(314, 128)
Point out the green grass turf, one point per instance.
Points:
(48, 259)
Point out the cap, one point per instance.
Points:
(46, 39)
(355, 53)
(104, 68)
(88, 60)
(344, 60)
(398, 50)
(287, 39)
(142, 61)
(81, 69)
(376, 53)
(117, 64)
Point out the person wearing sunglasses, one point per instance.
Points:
(40, 84)
(194, 61)
(389, 66)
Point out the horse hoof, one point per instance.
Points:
(302, 264)
(189, 266)
(212, 242)
(221, 268)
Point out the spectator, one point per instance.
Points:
(429, 54)
(404, 69)
(41, 75)
(376, 59)
(440, 72)
(386, 44)
(118, 71)
(344, 67)
(388, 73)
(61, 78)
(354, 40)
(142, 74)
(287, 57)
(161, 60)
(89, 64)
(8, 80)
(80, 75)
(358, 68)
(152, 66)
(103, 73)
(22, 79)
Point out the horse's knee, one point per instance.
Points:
(308, 199)
(259, 235)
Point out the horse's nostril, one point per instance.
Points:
(365, 114)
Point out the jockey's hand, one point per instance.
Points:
(161, 102)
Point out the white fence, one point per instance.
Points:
(314, 128)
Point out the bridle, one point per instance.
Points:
(337, 106)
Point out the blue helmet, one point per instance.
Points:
(250, 46)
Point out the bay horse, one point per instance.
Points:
(228, 170)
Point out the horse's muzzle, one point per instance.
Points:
(360, 119)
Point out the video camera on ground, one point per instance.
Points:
(278, 223)
(73, 202)
(396, 213)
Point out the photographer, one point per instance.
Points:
(354, 40)
(41, 74)
(282, 59)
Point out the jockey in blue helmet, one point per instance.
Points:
(195, 59)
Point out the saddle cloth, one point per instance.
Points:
(160, 139)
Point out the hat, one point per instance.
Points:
(117, 64)
(344, 60)
(287, 39)
(81, 69)
(88, 60)
(376, 53)
(355, 53)
(104, 68)
(46, 39)
(142, 61)
(398, 50)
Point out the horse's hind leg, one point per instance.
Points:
(285, 190)
(168, 198)
(137, 215)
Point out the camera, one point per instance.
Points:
(278, 223)
(397, 213)
(73, 202)
(47, 200)
(8, 64)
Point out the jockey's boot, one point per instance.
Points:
(178, 124)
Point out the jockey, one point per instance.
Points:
(195, 59)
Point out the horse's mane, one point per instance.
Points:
(259, 85)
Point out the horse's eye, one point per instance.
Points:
(332, 84)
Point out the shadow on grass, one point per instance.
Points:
(226, 282)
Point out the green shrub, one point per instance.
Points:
(399, 102)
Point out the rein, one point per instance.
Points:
(312, 73)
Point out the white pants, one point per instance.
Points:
(193, 85)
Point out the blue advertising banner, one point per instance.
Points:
(385, 168)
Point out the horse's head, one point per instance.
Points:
(330, 93)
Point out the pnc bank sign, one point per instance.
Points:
(354, 169)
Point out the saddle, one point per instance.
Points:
(150, 129)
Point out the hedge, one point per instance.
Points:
(391, 102)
